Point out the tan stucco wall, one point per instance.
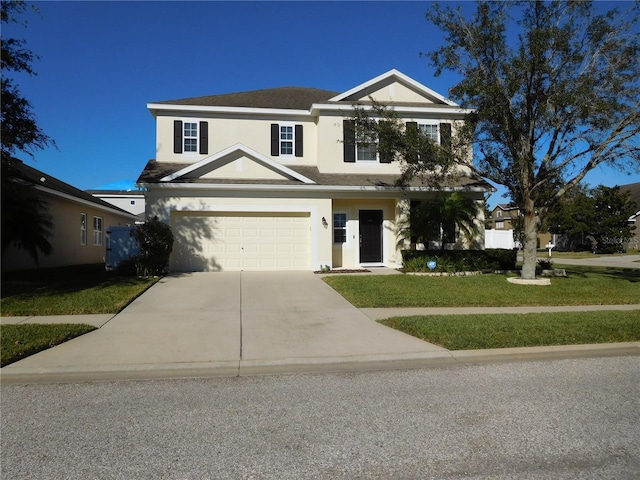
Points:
(65, 240)
(226, 131)
(393, 92)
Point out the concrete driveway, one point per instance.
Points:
(227, 323)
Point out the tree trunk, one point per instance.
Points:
(530, 231)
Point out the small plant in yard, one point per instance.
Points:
(545, 263)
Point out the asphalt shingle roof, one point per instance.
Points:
(297, 98)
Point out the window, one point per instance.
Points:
(499, 213)
(366, 147)
(286, 139)
(430, 131)
(190, 137)
(83, 229)
(339, 227)
(499, 225)
(97, 231)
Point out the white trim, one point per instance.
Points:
(238, 147)
(400, 77)
(157, 107)
(442, 112)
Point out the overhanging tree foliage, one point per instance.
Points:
(555, 88)
(25, 220)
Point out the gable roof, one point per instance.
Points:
(41, 181)
(392, 75)
(209, 164)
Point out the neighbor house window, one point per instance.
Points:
(430, 131)
(97, 230)
(190, 136)
(499, 224)
(339, 227)
(83, 229)
(499, 213)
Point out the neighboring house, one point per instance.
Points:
(504, 217)
(634, 189)
(131, 201)
(80, 224)
(275, 179)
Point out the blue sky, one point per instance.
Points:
(102, 62)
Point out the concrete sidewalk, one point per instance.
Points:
(244, 323)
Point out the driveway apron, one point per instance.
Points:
(226, 321)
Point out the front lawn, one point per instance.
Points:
(20, 341)
(583, 286)
(77, 290)
(470, 332)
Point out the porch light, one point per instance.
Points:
(324, 222)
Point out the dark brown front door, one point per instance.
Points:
(370, 236)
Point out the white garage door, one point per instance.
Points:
(234, 241)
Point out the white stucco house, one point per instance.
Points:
(275, 179)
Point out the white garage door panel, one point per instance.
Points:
(232, 241)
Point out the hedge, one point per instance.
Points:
(459, 260)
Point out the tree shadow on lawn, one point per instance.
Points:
(60, 280)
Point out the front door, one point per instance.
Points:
(370, 236)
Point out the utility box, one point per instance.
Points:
(120, 245)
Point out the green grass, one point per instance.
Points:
(20, 341)
(80, 290)
(583, 286)
(470, 332)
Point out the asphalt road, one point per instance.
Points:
(563, 419)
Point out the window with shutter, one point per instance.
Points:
(286, 140)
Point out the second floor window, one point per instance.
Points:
(286, 139)
(430, 131)
(366, 147)
(190, 136)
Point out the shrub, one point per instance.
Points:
(459, 260)
(156, 242)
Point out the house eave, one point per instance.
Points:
(457, 112)
(155, 108)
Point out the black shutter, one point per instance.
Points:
(177, 136)
(385, 149)
(275, 139)
(204, 138)
(445, 135)
(412, 154)
(349, 140)
(298, 135)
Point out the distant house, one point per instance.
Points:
(504, 217)
(634, 189)
(131, 201)
(80, 223)
(280, 179)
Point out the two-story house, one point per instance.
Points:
(275, 179)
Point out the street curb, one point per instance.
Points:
(288, 366)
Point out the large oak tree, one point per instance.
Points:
(556, 93)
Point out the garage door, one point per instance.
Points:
(232, 241)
